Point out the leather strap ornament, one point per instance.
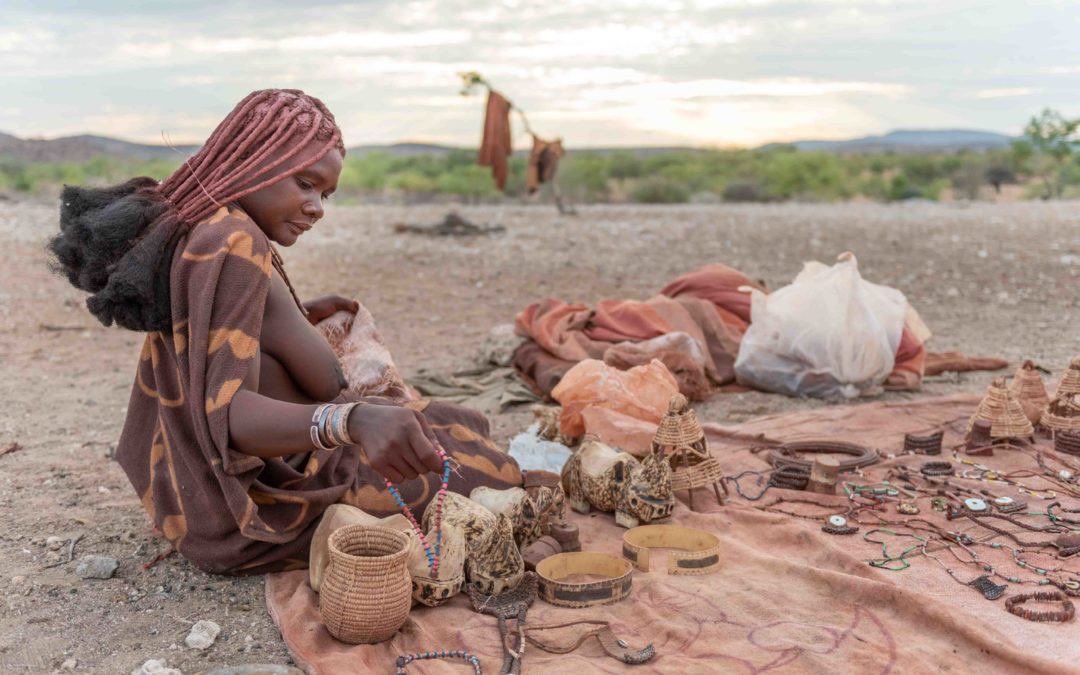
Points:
(613, 646)
(615, 587)
(698, 552)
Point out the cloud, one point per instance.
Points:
(692, 90)
(1007, 92)
(343, 41)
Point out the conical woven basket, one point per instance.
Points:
(681, 438)
(366, 591)
(679, 426)
(1070, 381)
(1028, 388)
(1004, 412)
(1063, 414)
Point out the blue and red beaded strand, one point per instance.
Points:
(431, 553)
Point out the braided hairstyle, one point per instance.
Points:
(117, 242)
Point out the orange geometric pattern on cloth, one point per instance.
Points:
(231, 512)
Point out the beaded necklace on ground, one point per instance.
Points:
(432, 553)
(406, 659)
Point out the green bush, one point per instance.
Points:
(658, 190)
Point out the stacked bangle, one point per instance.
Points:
(330, 425)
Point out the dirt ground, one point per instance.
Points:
(988, 279)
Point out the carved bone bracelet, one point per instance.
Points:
(699, 551)
(551, 571)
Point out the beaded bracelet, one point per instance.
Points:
(406, 659)
(937, 469)
(1014, 605)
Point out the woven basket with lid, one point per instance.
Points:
(1063, 414)
(681, 438)
(1070, 381)
(366, 591)
(1004, 412)
(1028, 388)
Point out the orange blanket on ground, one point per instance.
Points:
(694, 327)
(787, 599)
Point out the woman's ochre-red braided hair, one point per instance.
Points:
(117, 242)
(232, 162)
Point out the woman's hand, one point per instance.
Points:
(321, 308)
(398, 442)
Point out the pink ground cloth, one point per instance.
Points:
(787, 599)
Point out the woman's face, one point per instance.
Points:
(291, 206)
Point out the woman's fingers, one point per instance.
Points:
(424, 443)
(391, 474)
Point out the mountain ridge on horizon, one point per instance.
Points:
(83, 147)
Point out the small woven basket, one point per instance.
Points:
(1028, 388)
(1063, 414)
(1067, 442)
(1003, 411)
(366, 591)
(1070, 381)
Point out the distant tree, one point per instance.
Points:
(1054, 139)
(998, 175)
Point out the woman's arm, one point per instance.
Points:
(398, 442)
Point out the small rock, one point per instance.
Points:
(256, 669)
(97, 567)
(155, 667)
(202, 634)
(69, 664)
(953, 292)
(18, 579)
(55, 543)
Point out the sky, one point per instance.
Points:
(594, 72)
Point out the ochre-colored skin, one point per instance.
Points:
(271, 415)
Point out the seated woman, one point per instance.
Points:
(226, 441)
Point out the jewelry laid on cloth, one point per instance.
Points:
(699, 551)
(507, 606)
(1009, 505)
(788, 454)
(1015, 605)
(615, 587)
(937, 469)
(987, 587)
(838, 525)
(907, 508)
(929, 444)
(432, 553)
(976, 505)
(611, 644)
(406, 659)
(883, 563)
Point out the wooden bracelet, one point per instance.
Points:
(1067, 611)
(699, 551)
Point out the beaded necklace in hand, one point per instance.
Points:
(432, 553)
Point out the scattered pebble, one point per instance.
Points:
(69, 664)
(202, 634)
(97, 567)
(54, 543)
(155, 667)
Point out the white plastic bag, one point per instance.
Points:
(829, 334)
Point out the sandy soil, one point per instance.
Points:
(988, 279)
